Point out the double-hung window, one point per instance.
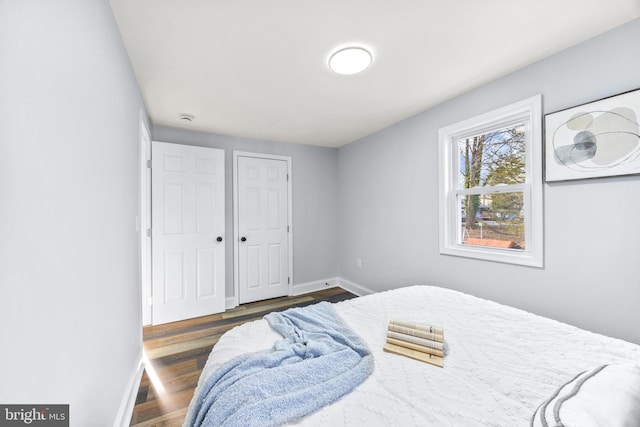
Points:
(491, 185)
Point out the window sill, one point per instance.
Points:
(508, 256)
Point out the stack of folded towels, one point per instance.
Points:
(416, 340)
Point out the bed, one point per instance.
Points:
(501, 365)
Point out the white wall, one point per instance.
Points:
(69, 292)
(388, 195)
(315, 196)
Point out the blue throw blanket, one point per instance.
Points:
(319, 360)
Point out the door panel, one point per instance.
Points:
(206, 268)
(187, 219)
(263, 255)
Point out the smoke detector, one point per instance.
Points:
(186, 117)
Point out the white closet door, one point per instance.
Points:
(188, 241)
(263, 255)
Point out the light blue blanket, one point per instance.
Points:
(319, 360)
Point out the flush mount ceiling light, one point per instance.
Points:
(350, 60)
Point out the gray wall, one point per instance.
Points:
(315, 191)
(388, 198)
(69, 292)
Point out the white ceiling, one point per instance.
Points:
(258, 69)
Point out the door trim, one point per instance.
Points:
(144, 220)
(236, 233)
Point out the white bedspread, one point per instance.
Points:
(501, 363)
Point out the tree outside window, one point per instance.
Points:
(493, 159)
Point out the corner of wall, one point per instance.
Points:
(125, 411)
(354, 288)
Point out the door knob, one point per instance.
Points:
(243, 239)
(219, 239)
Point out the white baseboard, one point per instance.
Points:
(354, 288)
(123, 417)
(318, 285)
(230, 302)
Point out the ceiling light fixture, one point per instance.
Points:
(350, 60)
(186, 117)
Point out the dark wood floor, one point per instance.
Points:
(178, 351)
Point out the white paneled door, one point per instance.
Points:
(262, 229)
(188, 242)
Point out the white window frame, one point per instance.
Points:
(529, 112)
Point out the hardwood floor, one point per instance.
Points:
(178, 351)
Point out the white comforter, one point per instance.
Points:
(501, 362)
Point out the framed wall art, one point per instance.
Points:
(598, 139)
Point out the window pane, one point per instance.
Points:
(492, 158)
(495, 220)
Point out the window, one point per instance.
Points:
(491, 185)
